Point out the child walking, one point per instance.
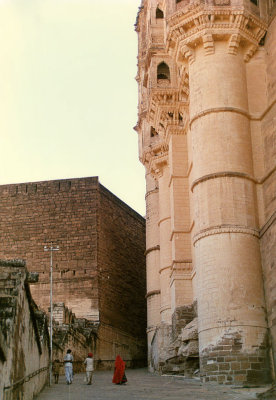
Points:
(55, 369)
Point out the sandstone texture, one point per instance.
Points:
(207, 135)
(24, 338)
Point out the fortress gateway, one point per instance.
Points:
(207, 138)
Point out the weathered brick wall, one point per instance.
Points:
(101, 241)
(121, 263)
(64, 212)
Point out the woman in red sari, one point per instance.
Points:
(119, 376)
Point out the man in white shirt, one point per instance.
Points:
(68, 366)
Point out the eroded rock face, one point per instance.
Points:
(182, 355)
(189, 340)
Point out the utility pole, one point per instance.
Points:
(51, 248)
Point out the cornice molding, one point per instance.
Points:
(152, 293)
(216, 230)
(165, 307)
(164, 268)
(204, 24)
(181, 269)
(233, 174)
(163, 220)
(218, 110)
(156, 190)
(181, 232)
(150, 249)
(222, 174)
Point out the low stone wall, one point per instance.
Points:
(24, 339)
(79, 336)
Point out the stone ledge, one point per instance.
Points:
(12, 263)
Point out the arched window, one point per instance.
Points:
(159, 13)
(163, 71)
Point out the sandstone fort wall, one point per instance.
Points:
(62, 212)
(99, 270)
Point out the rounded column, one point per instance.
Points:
(165, 244)
(152, 262)
(232, 325)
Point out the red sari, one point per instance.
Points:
(119, 376)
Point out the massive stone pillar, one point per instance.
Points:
(232, 324)
(153, 280)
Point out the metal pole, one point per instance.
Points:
(51, 312)
(51, 249)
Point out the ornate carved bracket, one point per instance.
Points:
(203, 24)
(168, 107)
(157, 164)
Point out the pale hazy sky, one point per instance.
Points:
(68, 97)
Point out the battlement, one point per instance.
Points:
(48, 187)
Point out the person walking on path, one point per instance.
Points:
(89, 363)
(55, 369)
(119, 376)
(68, 366)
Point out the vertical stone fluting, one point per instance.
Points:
(164, 223)
(165, 244)
(181, 284)
(153, 257)
(232, 325)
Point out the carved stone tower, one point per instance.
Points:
(204, 109)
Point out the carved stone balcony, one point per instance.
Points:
(168, 107)
(206, 22)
